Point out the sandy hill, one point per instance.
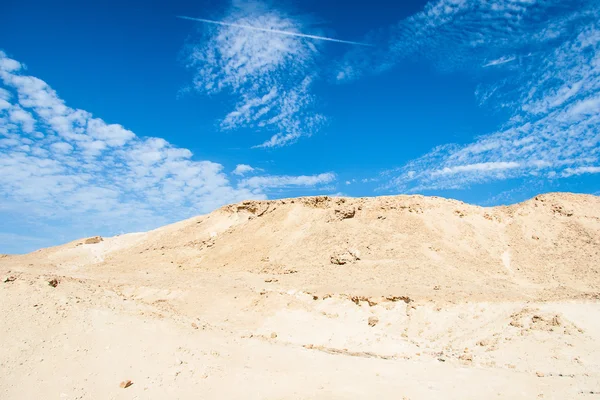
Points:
(407, 285)
(547, 246)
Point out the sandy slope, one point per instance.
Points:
(389, 297)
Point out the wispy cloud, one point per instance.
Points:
(282, 181)
(63, 168)
(478, 168)
(549, 52)
(500, 61)
(274, 31)
(581, 170)
(270, 74)
(456, 34)
(243, 169)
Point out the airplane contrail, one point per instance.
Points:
(208, 21)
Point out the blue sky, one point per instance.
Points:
(118, 116)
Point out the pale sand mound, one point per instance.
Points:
(389, 297)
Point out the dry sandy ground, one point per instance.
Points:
(315, 298)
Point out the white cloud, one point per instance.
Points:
(61, 147)
(345, 73)
(22, 117)
(500, 61)
(112, 135)
(294, 117)
(73, 174)
(461, 34)
(270, 74)
(250, 110)
(8, 64)
(580, 171)
(279, 181)
(550, 87)
(478, 168)
(587, 106)
(242, 169)
(4, 94)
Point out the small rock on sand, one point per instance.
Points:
(94, 240)
(126, 384)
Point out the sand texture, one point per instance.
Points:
(403, 297)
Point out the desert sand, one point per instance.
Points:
(403, 297)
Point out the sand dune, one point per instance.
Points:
(389, 297)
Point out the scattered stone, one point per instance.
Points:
(540, 374)
(405, 299)
(466, 357)
(337, 260)
(194, 325)
(126, 384)
(9, 279)
(271, 280)
(535, 237)
(345, 257)
(93, 240)
(561, 211)
(436, 287)
(357, 299)
(482, 343)
(53, 282)
(373, 321)
(345, 213)
(273, 335)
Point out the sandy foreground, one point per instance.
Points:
(404, 297)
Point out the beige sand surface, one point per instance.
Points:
(315, 298)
